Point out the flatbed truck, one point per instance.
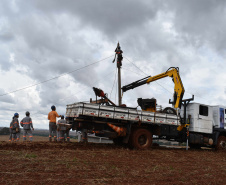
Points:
(195, 123)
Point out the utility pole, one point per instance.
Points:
(118, 53)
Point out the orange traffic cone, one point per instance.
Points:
(120, 130)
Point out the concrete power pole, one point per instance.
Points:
(118, 53)
(119, 87)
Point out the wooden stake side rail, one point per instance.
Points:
(120, 113)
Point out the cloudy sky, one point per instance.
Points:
(53, 52)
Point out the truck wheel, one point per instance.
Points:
(221, 143)
(142, 139)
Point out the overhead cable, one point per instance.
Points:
(86, 87)
(113, 83)
(135, 66)
(79, 91)
(55, 77)
(147, 74)
(131, 71)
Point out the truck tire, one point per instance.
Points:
(169, 110)
(141, 139)
(221, 143)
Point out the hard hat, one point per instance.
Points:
(53, 107)
(27, 113)
(16, 114)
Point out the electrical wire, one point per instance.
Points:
(131, 71)
(55, 77)
(39, 112)
(85, 87)
(157, 82)
(136, 66)
(147, 75)
(116, 90)
(113, 83)
(59, 102)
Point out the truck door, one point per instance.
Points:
(204, 119)
(224, 119)
(222, 112)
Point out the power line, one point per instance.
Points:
(157, 82)
(131, 71)
(147, 75)
(113, 83)
(116, 90)
(79, 91)
(84, 88)
(135, 66)
(55, 77)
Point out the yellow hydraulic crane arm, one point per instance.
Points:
(178, 85)
(171, 72)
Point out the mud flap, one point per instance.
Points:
(128, 132)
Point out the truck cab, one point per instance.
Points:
(219, 117)
(201, 120)
(207, 124)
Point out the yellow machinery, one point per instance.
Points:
(150, 104)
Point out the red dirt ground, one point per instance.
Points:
(42, 162)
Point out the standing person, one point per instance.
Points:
(27, 125)
(52, 123)
(15, 128)
(67, 133)
(68, 128)
(61, 128)
(84, 135)
(11, 130)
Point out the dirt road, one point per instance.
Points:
(74, 163)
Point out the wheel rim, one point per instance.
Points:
(142, 140)
(223, 144)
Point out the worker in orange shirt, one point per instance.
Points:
(52, 123)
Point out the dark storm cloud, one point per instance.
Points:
(42, 45)
(200, 22)
(44, 42)
(47, 43)
(111, 17)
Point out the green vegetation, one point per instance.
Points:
(4, 131)
(30, 155)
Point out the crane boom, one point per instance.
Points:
(171, 72)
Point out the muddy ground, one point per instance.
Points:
(42, 162)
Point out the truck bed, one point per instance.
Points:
(119, 113)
